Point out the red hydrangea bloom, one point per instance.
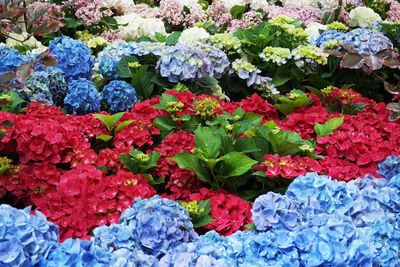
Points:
(288, 166)
(260, 106)
(231, 213)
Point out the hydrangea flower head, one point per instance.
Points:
(389, 167)
(363, 17)
(10, 59)
(119, 95)
(73, 56)
(77, 252)
(25, 238)
(152, 225)
(274, 211)
(82, 97)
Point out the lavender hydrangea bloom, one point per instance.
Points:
(74, 57)
(119, 95)
(219, 60)
(76, 252)
(363, 40)
(389, 167)
(82, 97)
(24, 238)
(274, 211)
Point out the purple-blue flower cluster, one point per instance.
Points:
(188, 62)
(74, 57)
(119, 95)
(25, 239)
(389, 167)
(82, 97)
(365, 41)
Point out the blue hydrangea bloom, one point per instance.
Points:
(152, 225)
(47, 86)
(119, 95)
(389, 167)
(333, 239)
(82, 97)
(76, 252)
(363, 40)
(74, 57)
(25, 239)
(146, 48)
(109, 57)
(10, 59)
(274, 211)
(219, 60)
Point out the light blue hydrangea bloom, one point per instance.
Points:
(10, 59)
(25, 239)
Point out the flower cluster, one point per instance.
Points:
(363, 40)
(11, 59)
(137, 26)
(25, 239)
(363, 17)
(305, 14)
(48, 87)
(226, 42)
(119, 95)
(74, 57)
(389, 168)
(277, 55)
(187, 62)
(152, 225)
(310, 54)
(82, 97)
(287, 166)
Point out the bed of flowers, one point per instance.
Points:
(199, 133)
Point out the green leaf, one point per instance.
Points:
(164, 123)
(199, 221)
(207, 142)
(139, 74)
(191, 163)
(160, 37)
(129, 163)
(253, 117)
(285, 108)
(251, 226)
(316, 92)
(123, 69)
(205, 205)
(238, 112)
(334, 123)
(109, 120)
(145, 87)
(104, 137)
(353, 108)
(245, 145)
(72, 22)
(15, 101)
(235, 164)
(321, 130)
(123, 124)
(237, 11)
(173, 38)
(152, 180)
(186, 9)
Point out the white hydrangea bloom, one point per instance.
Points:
(32, 42)
(194, 35)
(188, 2)
(313, 30)
(231, 3)
(138, 26)
(257, 4)
(328, 4)
(301, 3)
(363, 17)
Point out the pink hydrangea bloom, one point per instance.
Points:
(147, 11)
(89, 11)
(249, 19)
(218, 14)
(305, 14)
(172, 11)
(394, 12)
